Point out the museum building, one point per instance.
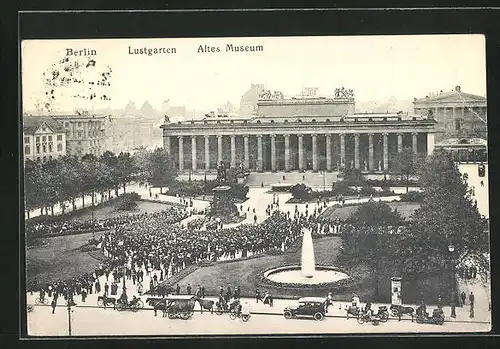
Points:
(307, 132)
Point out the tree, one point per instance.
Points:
(141, 162)
(89, 175)
(126, 168)
(406, 164)
(110, 171)
(375, 214)
(301, 191)
(32, 185)
(160, 170)
(370, 237)
(447, 216)
(71, 180)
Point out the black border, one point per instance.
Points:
(244, 23)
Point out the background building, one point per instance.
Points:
(248, 103)
(44, 138)
(85, 133)
(458, 114)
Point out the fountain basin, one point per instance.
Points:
(294, 275)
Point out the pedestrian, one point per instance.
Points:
(202, 291)
(188, 289)
(474, 271)
(84, 295)
(471, 299)
(53, 304)
(133, 278)
(178, 289)
(155, 279)
(463, 296)
(453, 304)
(152, 287)
(257, 295)
(106, 289)
(440, 302)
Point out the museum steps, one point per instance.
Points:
(311, 179)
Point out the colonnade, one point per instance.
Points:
(331, 157)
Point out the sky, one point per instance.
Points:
(375, 67)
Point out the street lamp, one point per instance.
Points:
(69, 315)
(451, 249)
(324, 181)
(93, 225)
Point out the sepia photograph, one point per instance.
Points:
(296, 185)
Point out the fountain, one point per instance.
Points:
(307, 273)
(308, 263)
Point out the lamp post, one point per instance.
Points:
(69, 316)
(324, 181)
(451, 249)
(93, 225)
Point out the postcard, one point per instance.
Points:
(256, 186)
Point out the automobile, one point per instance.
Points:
(306, 307)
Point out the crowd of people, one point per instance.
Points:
(171, 248)
(154, 241)
(40, 229)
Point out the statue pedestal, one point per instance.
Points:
(222, 206)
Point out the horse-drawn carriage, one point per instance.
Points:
(437, 317)
(226, 307)
(175, 306)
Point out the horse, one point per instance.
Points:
(205, 304)
(105, 300)
(177, 307)
(398, 310)
(158, 304)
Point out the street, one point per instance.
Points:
(100, 322)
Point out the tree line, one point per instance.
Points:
(67, 178)
(446, 232)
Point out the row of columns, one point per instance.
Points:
(371, 165)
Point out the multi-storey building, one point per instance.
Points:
(129, 132)
(458, 114)
(299, 133)
(461, 125)
(44, 138)
(85, 133)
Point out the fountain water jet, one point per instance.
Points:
(307, 261)
(307, 273)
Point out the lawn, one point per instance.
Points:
(60, 259)
(406, 209)
(107, 211)
(243, 273)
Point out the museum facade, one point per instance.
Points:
(297, 134)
